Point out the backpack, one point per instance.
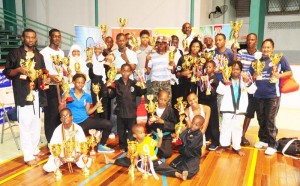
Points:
(289, 147)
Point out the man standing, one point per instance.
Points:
(209, 43)
(28, 109)
(189, 36)
(52, 119)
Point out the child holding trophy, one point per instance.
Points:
(125, 92)
(164, 119)
(233, 108)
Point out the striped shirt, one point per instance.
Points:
(246, 58)
(159, 67)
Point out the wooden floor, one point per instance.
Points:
(227, 168)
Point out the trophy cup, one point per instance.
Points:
(171, 57)
(151, 107)
(96, 90)
(209, 55)
(185, 44)
(179, 127)
(33, 75)
(66, 92)
(258, 66)
(66, 62)
(122, 23)
(89, 55)
(27, 63)
(44, 74)
(103, 29)
(132, 152)
(93, 140)
(141, 79)
(57, 63)
(236, 26)
(56, 150)
(84, 149)
(275, 58)
(145, 162)
(188, 62)
(180, 105)
(205, 80)
(134, 42)
(111, 75)
(226, 71)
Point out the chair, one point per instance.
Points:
(10, 126)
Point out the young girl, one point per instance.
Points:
(208, 96)
(233, 108)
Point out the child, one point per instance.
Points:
(125, 92)
(210, 83)
(165, 120)
(233, 108)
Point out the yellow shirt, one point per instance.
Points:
(147, 147)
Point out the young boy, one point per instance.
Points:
(125, 92)
(210, 83)
(164, 119)
(233, 108)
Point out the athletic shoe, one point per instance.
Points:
(270, 151)
(260, 145)
(112, 136)
(245, 142)
(105, 149)
(212, 147)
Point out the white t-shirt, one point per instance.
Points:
(98, 66)
(47, 52)
(132, 57)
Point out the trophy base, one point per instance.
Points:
(111, 85)
(100, 110)
(89, 65)
(177, 141)
(23, 77)
(69, 99)
(58, 174)
(258, 78)
(93, 153)
(85, 171)
(70, 159)
(208, 93)
(30, 97)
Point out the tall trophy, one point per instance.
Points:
(145, 159)
(236, 26)
(26, 63)
(84, 149)
(209, 55)
(185, 44)
(96, 90)
(57, 64)
(89, 56)
(122, 23)
(206, 83)
(275, 58)
(66, 62)
(103, 29)
(111, 75)
(33, 75)
(151, 107)
(226, 71)
(258, 66)
(179, 127)
(132, 152)
(172, 50)
(188, 62)
(66, 92)
(77, 65)
(56, 150)
(93, 140)
(180, 105)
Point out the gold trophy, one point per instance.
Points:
(205, 80)
(141, 80)
(145, 161)
(134, 42)
(77, 65)
(185, 44)
(27, 63)
(66, 91)
(84, 149)
(226, 71)
(93, 140)
(89, 56)
(122, 23)
(103, 29)
(96, 90)
(258, 66)
(209, 55)
(69, 147)
(188, 62)
(132, 152)
(180, 105)
(172, 50)
(111, 75)
(33, 75)
(275, 58)
(56, 150)
(44, 74)
(179, 127)
(236, 26)
(151, 107)
(66, 62)
(56, 61)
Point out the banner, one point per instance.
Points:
(135, 31)
(172, 31)
(4, 82)
(2, 113)
(213, 30)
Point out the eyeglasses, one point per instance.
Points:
(66, 116)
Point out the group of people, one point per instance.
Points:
(148, 70)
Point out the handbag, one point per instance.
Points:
(288, 85)
(289, 147)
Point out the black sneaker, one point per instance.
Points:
(212, 147)
(245, 142)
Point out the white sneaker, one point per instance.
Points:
(260, 145)
(112, 136)
(270, 151)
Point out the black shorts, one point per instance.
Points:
(251, 106)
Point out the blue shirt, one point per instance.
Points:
(229, 55)
(265, 89)
(77, 107)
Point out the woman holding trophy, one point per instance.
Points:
(267, 95)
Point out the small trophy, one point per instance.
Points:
(151, 107)
(132, 152)
(188, 62)
(134, 42)
(145, 159)
(103, 29)
(172, 50)
(180, 105)
(236, 26)
(33, 75)
(89, 56)
(209, 55)
(56, 150)
(84, 149)
(57, 63)
(226, 71)
(141, 79)
(185, 43)
(66, 91)
(179, 127)
(44, 74)
(275, 58)
(122, 23)
(194, 77)
(111, 75)
(66, 62)
(96, 90)
(93, 140)
(206, 82)
(258, 66)
(27, 63)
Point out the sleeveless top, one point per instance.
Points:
(191, 113)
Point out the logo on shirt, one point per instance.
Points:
(178, 68)
(131, 88)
